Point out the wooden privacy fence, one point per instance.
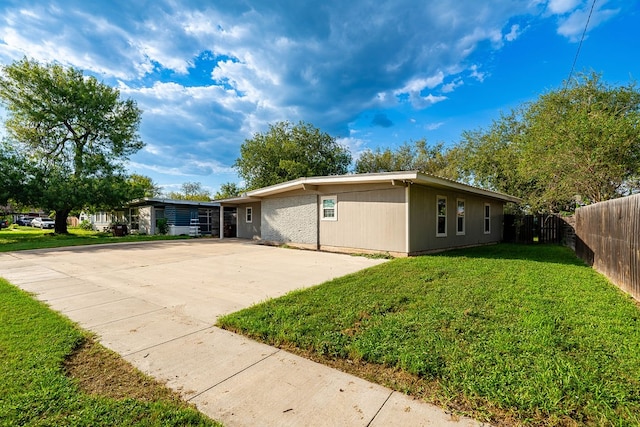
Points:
(608, 238)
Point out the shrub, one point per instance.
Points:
(163, 226)
(86, 225)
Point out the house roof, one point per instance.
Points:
(394, 178)
(160, 201)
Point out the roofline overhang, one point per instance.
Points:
(238, 200)
(156, 200)
(447, 183)
(393, 178)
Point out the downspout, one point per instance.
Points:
(318, 210)
(407, 206)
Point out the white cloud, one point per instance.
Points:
(153, 149)
(269, 61)
(433, 126)
(513, 34)
(418, 84)
(184, 168)
(572, 26)
(476, 74)
(562, 6)
(356, 146)
(450, 87)
(421, 102)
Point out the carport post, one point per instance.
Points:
(221, 222)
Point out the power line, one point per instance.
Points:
(593, 4)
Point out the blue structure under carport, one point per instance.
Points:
(184, 217)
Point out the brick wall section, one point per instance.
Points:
(290, 219)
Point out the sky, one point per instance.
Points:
(209, 74)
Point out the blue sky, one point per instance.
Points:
(210, 74)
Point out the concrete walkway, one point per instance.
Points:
(155, 303)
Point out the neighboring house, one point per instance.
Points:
(402, 213)
(183, 216)
(101, 220)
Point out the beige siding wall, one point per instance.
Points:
(422, 229)
(373, 219)
(249, 230)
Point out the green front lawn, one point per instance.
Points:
(34, 389)
(17, 238)
(505, 333)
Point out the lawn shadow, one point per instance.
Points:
(543, 253)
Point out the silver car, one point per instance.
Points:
(43, 223)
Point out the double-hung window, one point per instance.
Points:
(249, 215)
(329, 208)
(460, 217)
(487, 218)
(441, 220)
(134, 218)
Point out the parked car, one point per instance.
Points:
(25, 220)
(43, 223)
(4, 223)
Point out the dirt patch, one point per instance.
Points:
(101, 372)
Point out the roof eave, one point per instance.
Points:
(301, 183)
(392, 177)
(156, 200)
(434, 180)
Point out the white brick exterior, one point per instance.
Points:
(146, 220)
(290, 219)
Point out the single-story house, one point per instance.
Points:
(183, 217)
(402, 213)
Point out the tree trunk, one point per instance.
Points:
(61, 221)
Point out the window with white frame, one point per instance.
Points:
(460, 217)
(487, 218)
(134, 218)
(441, 221)
(249, 215)
(329, 208)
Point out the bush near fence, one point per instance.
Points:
(608, 238)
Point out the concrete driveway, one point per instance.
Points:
(155, 304)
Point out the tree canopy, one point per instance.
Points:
(580, 144)
(191, 191)
(287, 152)
(228, 190)
(435, 160)
(144, 185)
(68, 136)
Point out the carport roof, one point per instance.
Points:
(394, 178)
(156, 201)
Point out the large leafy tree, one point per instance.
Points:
(144, 185)
(228, 190)
(287, 152)
(68, 137)
(419, 156)
(11, 177)
(578, 144)
(191, 191)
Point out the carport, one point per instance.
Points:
(241, 217)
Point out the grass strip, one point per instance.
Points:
(35, 343)
(26, 238)
(524, 335)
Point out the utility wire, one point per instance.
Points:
(575, 60)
